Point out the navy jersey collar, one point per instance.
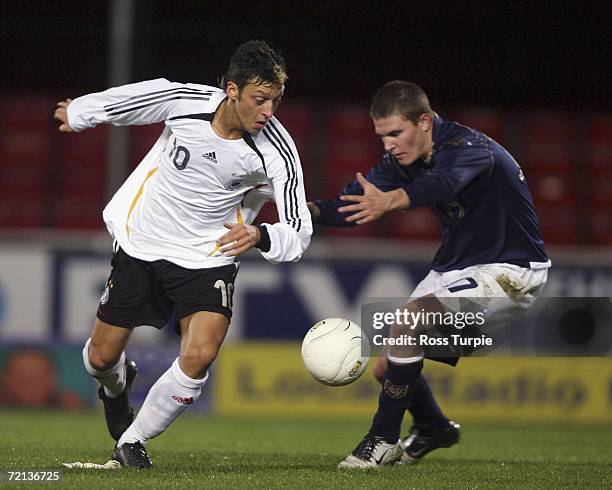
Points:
(436, 132)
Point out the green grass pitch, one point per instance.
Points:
(217, 452)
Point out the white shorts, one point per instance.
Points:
(503, 291)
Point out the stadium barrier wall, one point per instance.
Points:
(268, 379)
(49, 292)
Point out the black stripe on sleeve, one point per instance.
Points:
(134, 108)
(294, 185)
(290, 173)
(137, 98)
(290, 196)
(287, 217)
(204, 116)
(115, 110)
(249, 141)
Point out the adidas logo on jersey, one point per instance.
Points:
(210, 156)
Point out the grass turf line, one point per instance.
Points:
(202, 452)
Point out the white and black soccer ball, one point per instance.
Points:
(335, 352)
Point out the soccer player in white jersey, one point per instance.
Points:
(179, 222)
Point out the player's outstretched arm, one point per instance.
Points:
(371, 196)
(147, 102)
(373, 203)
(61, 115)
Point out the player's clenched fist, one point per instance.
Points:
(61, 115)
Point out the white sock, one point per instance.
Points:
(171, 394)
(405, 360)
(112, 379)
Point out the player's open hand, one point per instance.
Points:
(239, 239)
(368, 207)
(61, 115)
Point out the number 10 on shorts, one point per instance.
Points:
(227, 292)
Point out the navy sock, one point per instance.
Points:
(426, 414)
(398, 386)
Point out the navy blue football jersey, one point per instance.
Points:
(476, 189)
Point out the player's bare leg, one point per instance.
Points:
(202, 334)
(104, 359)
(201, 337)
(107, 344)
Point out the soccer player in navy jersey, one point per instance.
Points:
(492, 247)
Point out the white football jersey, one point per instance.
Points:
(173, 206)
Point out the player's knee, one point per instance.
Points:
(102, 357)
(379, 374)
(197, 359)
(380, 367)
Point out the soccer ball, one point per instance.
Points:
(334, 351)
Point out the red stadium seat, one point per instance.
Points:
(351, 144)
(559, 223)
(81, 212)
(600, 221)
(83, 164)
(546, 142)
(18, 210)
(87, 148)
(370, 230)
(268, 214)
(26, 145)
(27, 175)
(142, 139)
(598, 148)
(351, 121)
(19, 112)
(415, 224)
(299, 120)
(552, 187)
(489, 121)
(600, 191)
(599, 145)
(336, 179)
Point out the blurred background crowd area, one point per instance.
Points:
(534, 77)
(53, 180)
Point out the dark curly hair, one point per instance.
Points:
(255, 62)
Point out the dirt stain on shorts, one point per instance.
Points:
(512, 288)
